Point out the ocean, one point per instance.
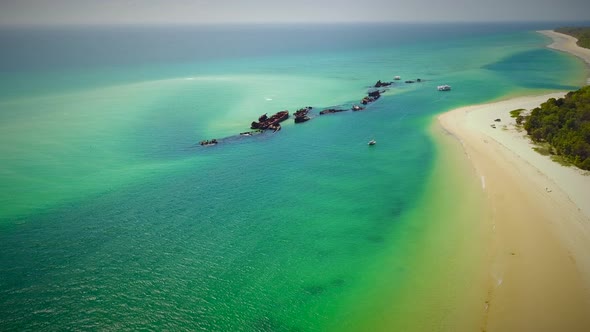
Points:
(113, 217)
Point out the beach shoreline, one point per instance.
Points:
(538, 270)
(568, 44)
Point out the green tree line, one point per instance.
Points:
(581, 33)
(564, 123)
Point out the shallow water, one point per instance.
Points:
(115, 218)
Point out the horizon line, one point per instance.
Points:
(285, 23)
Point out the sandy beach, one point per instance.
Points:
(566, 43)
(538, 265)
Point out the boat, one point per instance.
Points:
(372, 142)
(397, 78)
(444, 87)
(302, 118)
(332, 110)
(272, 122)
(301, 114)
(208, 142)
(250, 133)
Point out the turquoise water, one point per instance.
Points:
(113, 217)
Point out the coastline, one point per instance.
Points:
(394, 230)
(538, 270)
(567, 43)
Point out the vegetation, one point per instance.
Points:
(517, 114)
(581, 33)
(564, 124)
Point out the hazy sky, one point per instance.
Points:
(220, 11)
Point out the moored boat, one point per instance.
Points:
(301, 114)
(208, 142)
(331, 110)
(444, 87)
(303, 118)
(272, 122)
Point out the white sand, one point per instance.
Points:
(572, 181)
(539, 261)
(568, 44)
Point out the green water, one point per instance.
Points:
(113, 217)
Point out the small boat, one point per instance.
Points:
(397, 78)
(444, 87)
(208, 142)
(372, 142)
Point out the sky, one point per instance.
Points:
(275, 11)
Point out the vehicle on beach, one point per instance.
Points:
(444, 87)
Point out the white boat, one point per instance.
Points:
(444, 87)
(397, 78)
(372, 142)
